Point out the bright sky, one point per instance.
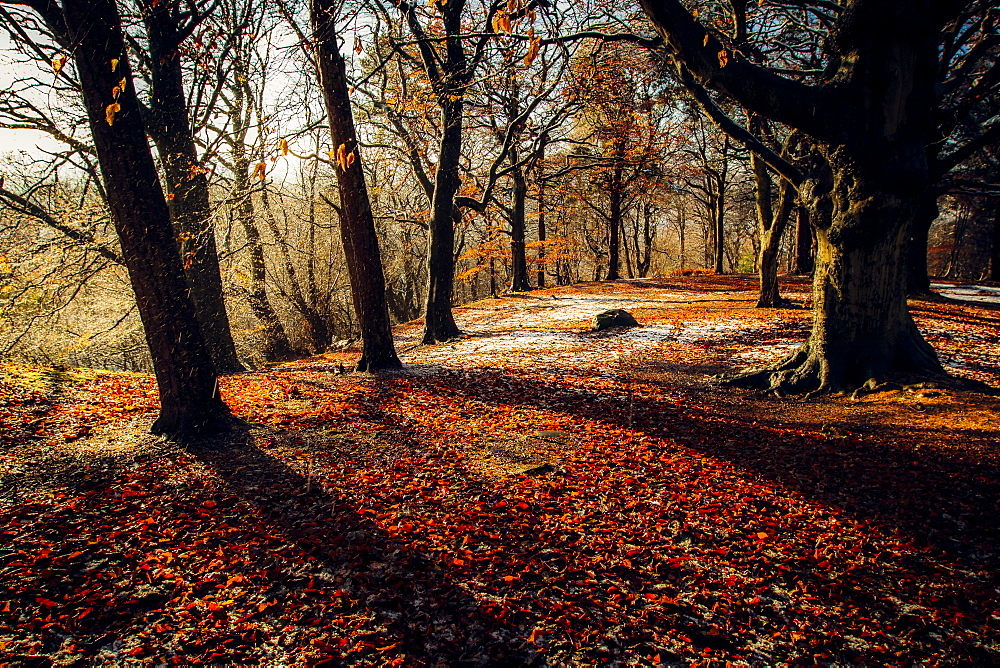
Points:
(19, 140)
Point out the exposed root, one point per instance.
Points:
(807, 372)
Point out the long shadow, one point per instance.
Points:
(419, 612)
(942, 501)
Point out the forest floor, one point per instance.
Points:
(532, 494)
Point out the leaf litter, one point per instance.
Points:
(534, 493)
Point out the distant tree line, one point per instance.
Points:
(240, 183)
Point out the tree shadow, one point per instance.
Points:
(938, 499)
(417, 610)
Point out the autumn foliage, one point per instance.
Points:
(533, 493)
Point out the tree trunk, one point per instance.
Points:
(541, 219)
(862, 328)
(803, 242)
(277, 347)
(648, 236)
(772, 227)
(519, 260)
(917, 280)
(187, 184)
(720, 230)
(357, 224)
(189, 398)
(439, 322)
(317, 327)
(615, 196)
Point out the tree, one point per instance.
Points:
(168, 25)
(625, 109)
(771, 221)
(158, 49)
(871, 116)
(357, 225)
(189, 397)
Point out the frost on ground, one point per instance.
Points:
(968, 293)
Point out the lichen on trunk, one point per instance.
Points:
(862, 328)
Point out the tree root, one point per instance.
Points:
(806, 372)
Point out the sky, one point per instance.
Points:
(19, 140)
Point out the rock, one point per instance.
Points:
(538, 470)
(614, 318)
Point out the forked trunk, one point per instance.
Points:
(772, 226)
(189, 398)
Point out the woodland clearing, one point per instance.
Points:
(531, 494)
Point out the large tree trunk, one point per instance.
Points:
(519, 260)
(871, 123)
(357, 224)
(189, 398)
(862, 328)
(439, 322)
(187, 183)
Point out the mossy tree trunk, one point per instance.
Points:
(870, 124)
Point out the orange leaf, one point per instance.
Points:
(114, 64)
(283, 146)
(723, 58)
(762, 534)
(533, 48)
(110, 111)
(58, 63)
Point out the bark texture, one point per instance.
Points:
(803, 242)
(870, 124)
(189, 400)
(357, 224)
(439, 322)
(186, 181)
